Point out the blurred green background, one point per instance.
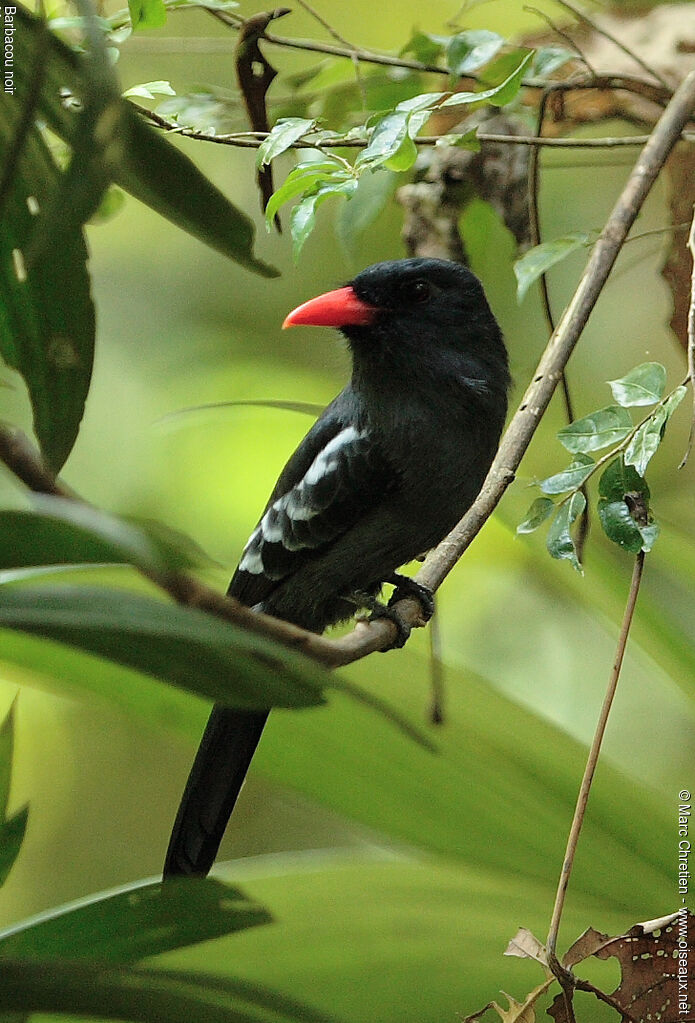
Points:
(395, 876)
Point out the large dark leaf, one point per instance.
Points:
(181, 645)
(143, 162)
(139, 921)
(141, 996)
(46, 316)
(60, 532)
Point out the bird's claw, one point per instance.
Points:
(407, 587)
(402, 627)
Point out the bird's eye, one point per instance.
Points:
(420, 291)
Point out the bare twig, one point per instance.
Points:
(592, 760)
(436, 672)
(563, 35)
(535, 232)
(253, 139)
(585, 985)
(691, 341)
(336, 35)
(630, 83)
(581, 16)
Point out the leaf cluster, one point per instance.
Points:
(623, 505)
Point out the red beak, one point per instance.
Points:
(340, 308)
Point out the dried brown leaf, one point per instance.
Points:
(255, 75)
(526, 945)
(587, 944)
(653, 959)
(518, 1012)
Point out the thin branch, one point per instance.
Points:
(437, 688)
(590, 768)
(691, 341)
(629, 83)
(563, 35)
(535, 232)
(581, 16)
(253, 139)
(585, 985)
(336, 35)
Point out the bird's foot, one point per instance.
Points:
(403, 630)
(407, 587)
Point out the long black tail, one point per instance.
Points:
(223, 758)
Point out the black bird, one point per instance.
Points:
(382, 476)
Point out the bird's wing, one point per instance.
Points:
(336, 476)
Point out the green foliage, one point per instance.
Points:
(623, 506)
(180, 645)
(147, 13)
(12, 828)
(390, 137)
(468, 51)
(534, 263)
(47, 318)
(597, 430)
(60, 532)
(560, 543)
(141, 920)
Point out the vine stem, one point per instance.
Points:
(590, 768)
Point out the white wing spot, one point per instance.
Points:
(252, 562)
(272, 532)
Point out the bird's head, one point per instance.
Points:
(432, 311)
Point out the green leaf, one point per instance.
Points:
(46, 315)
(404, 157)
(304, 179)
(111, 204)
(60, 532)
(648, 436)
(180, 645)
(139, 995)
(643, 385)
(370, 199)
(141, 920)
(142, 162)
(147, 13)
(424, 101)
(149, 90)
(386, 139)
(469, 50)
(619, 479)
(597, 430)
(529, 267)
(6, 754)
(305, 407)
(303, 215)
(285, 133)
(559, 541)
(570, 478)
(468, 140)
(620, 527)
(12, 830)
(498, 95)
(549, 59)
(158, 174)
(424, 47)
(539, 511)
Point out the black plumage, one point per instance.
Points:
(383, 475)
